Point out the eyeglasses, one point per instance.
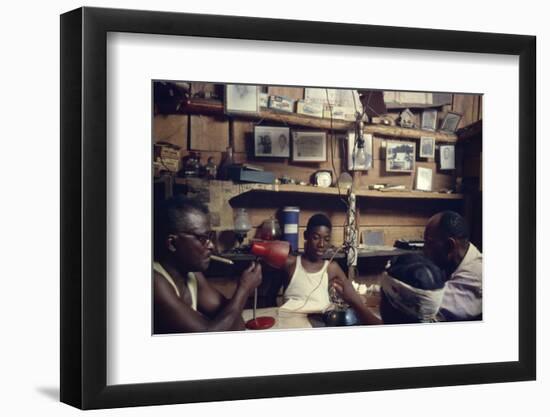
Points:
(204, 239)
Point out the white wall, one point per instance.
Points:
(30, 292)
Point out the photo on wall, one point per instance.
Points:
(429, 119)
(450, 122)
(258, 216)
(241, 98)
(309, 146)
(424, 179)
(427, 147)
(271, 141)
(447, 157)
(400, 156)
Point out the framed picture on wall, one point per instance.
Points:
(400, 156)
(114, 231)
(271, 141)
(309, 146)
(424, 179)
(429, 119)
(447, 157)
(450, 122)
(241, 98)
(427, 147)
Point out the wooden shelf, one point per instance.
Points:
(216, 108)
(305, 189)
(234, 189)
(403, 133)
(371, 252)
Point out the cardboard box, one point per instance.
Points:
(281, 103)
(339, 113)
(309, 108)
(168, 164)
(239, 173)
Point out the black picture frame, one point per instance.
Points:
(84, 201)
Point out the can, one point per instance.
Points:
(291, 217)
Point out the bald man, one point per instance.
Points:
(447, 244)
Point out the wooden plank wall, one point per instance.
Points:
(397, 218)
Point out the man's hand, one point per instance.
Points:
(251, 277)
(345, 289)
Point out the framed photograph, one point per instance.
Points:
(241, 98)
(400, 156)
(446, 157)
(427, 147)
(450, 122)
(270, 141)
(424, 179)
(109, 354)
(359, 154)
(429, 119)
(309, 146)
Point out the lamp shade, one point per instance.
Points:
(274, 253)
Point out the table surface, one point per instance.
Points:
(283, 320)
(288, 320)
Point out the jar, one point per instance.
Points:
(192, 165)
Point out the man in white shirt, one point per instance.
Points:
(183, 299)
(447, 243)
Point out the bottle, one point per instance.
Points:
(192, 165)
(211, 169)
(225, 164)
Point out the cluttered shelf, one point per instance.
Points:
(363, 252)
(238, 189)
(215, 107)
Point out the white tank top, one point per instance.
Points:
(191, 283)
(307, 291)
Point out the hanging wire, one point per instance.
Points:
(333, 139)
(320, 279)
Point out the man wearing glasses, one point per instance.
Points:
(183, 299)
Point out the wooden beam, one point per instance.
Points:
(215, 107)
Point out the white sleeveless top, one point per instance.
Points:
(307, 291)
(191, 283)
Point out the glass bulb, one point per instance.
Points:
(242, 222)
(360, 157)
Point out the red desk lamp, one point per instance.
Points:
(274, 253)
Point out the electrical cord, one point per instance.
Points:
(331, 131)
(320, 280)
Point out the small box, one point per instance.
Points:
(167, 157)
(167, 151)
(281, 103)
(168, 164)
(309, 108)
(339, 113)
(238, 173)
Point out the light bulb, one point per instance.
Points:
(360, 157)
(242, 222)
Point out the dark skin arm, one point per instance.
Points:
(343, 287)
(289, 269)
(210, 301)
(174, 316)
(334, 271)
